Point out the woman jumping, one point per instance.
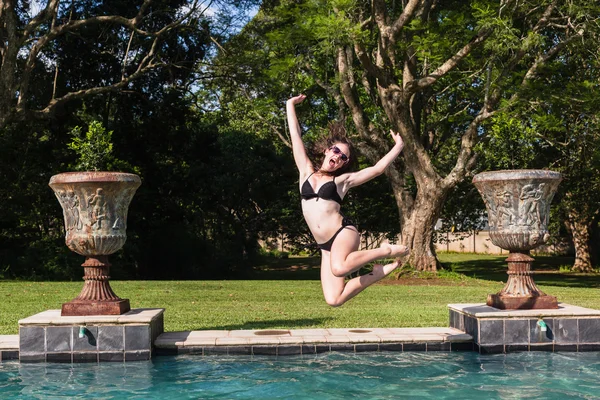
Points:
(322, 191)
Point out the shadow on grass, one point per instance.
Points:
(546, 271)
(293, 268)
(480, 266)
(272, 324)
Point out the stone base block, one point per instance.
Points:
(82, 307)
(522, 303)
(51, 337)
(567, 328)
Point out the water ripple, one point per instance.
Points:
(384, 375)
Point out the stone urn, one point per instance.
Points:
(95, 206)
(518, 206)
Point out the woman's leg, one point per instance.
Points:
(346, 258)
(336, 291)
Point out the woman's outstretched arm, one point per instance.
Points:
(300, 157)
(366, 174)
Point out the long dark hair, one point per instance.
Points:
(337, 134)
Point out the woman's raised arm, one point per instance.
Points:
(366, 174)
(303, 163)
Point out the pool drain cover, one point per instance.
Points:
(265, 333)
(359, 331)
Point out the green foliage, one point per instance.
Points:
(565, 268)
(512, 143)
(94, 147)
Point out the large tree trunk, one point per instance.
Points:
(418, 228)
(581, 233)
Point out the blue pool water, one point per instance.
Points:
(536, 375)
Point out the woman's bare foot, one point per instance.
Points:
(381, 271)
(396, 250)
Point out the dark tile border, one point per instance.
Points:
(7, 355)
(366, 347)
(542, 347)
(239, 351)
(494, 349)
(59, 357)
(264, 350)
(588, 347)
(32, 358)
(441, 346)
(343, 347)
(143, 355)
(391, 347)
(309, 349)
(414, 347)
(289, 350)
(462, 346)
(322, 348)
(113, 356)
(86, 357)
(513, 348)
(215, 350)
(571, 348)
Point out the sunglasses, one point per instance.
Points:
(336, 150)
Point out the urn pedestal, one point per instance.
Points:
(518, 206)
(95, 206)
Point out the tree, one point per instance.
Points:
(81, 75)
(560, 118)
(436, 72)
(132, 38)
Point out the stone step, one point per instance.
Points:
(295, 341)
(9, 342)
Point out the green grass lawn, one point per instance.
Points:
(287, 294)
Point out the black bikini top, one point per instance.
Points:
(327, 191)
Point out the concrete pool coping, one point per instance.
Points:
(308, 336)
(311, 341)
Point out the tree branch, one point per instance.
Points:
(48, 12)
(371, 68)
(542, 59)
(285, 140)
(110, 19)
(465, 158)
(350, 97)
(407, 14)
(420, 84)
(54, 103)
(331, 90)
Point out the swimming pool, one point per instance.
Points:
(384, 375)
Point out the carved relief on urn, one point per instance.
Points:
(518, 205)
(95, 206)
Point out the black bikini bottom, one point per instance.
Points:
(327, 245)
